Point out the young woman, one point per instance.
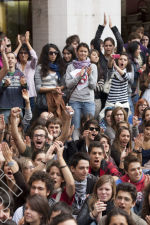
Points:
(26, 62)
(68, 54)
(81, 77)
(145, 81)
(109, 48)
(139, 108)
(94, 58)
(99, 203)
(106, 121)
(134, 51)
(121, 146)
(145, 118)
(36, 211)
(64, 187)
(119, 217)
(48, 76)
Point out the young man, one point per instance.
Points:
(39, 136)
(11, 85)
(125, 199)
(135, 176)
(39, 184)
(84, 182)
(91, 129)
(98, 165)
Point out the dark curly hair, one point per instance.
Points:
(44, 60)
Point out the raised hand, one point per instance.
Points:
(7, 82)
(27, 36)
(3, 46)
(105, 20)
(136, 122)
(59, 147)
(25, 94)
(50, 153)
(2, 122)
(7, 153)
(110, 22)
(19, 39)
(138, 142)
(99, 207)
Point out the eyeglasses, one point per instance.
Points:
(53, 53)
(9, 45)
(21, 53)
(93, 128)
(143, 105)
(39, 135)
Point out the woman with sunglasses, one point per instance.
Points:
(81, 78)
(48, 75)
(26, 62)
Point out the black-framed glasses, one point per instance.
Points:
(53, 53)
(39, 135)
(93, 128)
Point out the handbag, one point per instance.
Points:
(41, 101)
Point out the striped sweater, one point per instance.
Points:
(119, 88)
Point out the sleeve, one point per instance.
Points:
(97, 37)
(83, 217)
(70, 81)
(93, 77)
(113, 169)
(119, 39)
(18, 215)
(27, 118)
(37, 78)
(34, 58)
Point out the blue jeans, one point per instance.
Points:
(81, 108)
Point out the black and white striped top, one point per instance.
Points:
(119, 88)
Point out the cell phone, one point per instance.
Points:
(116, 56)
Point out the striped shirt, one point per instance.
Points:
(119, 88)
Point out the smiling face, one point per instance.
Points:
(134, 171)
(104, 192)
(39, 139)
(124, 138)
(31, 216)
(67, 55)
(56, 176)
(11, 60)
(80, 172)
(93, 131)
(82, 53)
(96, 156)
(54, 129)
(122, 62)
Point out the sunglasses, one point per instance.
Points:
(93, 128)
(53, 53)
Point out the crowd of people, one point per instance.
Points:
(75, 131)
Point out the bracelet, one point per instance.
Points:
(11, 163)
(61, 167)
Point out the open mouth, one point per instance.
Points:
(96, 161)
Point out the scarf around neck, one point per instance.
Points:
(54, 67)
(80, 64)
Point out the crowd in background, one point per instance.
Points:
(75, 131)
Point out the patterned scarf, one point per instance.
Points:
(79, 64)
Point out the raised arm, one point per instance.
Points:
(15, 133)
(118, 37)
(19, 45)
(5, 68)
(70, 185)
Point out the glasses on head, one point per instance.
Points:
(21, 53)
(39, 135)
(9, 45)
(53, 53)
(143, 105)
(93, 128)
